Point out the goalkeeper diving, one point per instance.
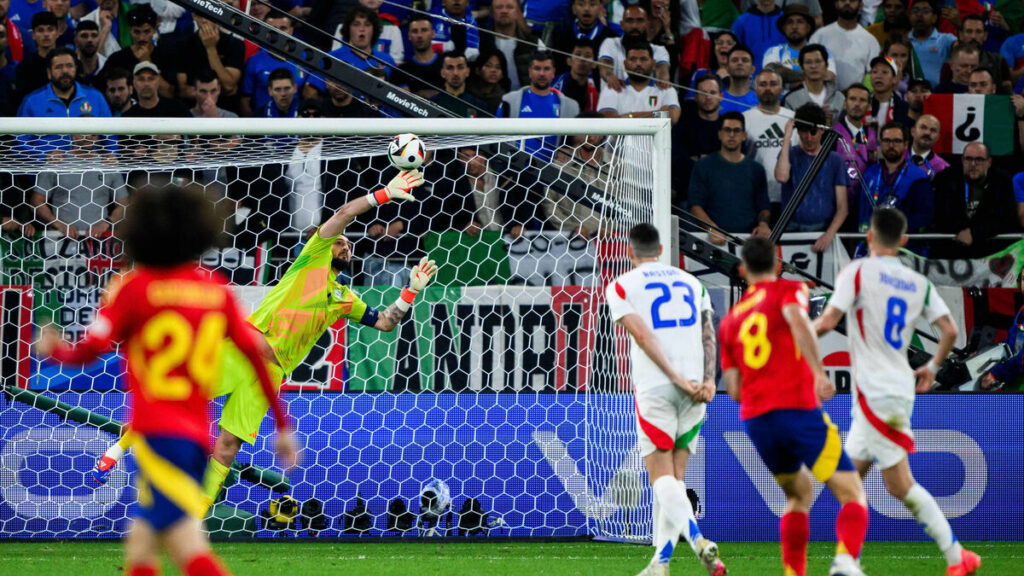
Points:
(289, 321)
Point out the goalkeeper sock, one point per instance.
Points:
(927, 513)
(672, 518)
(116, 451)
(213, 480)
(205, 564)
(794, 532)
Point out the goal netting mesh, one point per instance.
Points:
(507, 383)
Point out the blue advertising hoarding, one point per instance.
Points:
(525, 457)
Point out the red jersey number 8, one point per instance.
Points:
(754, 336)
(170, 338)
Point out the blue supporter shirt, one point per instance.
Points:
(758, 32)
(1013, 51)
(44, 103)
(257, 73)
(546, 10)
(345, 54)
(932, 53)
(1018, 187)
(443, 30)
(534, 106)
(271, 110)
(819, 205)
(20, 13)
(909, 190)
(739, 104)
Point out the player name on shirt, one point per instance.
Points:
(897, 283)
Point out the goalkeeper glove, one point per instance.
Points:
(398, 187)
(419, 277)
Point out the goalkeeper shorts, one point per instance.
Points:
(246, 405)
(168, 482)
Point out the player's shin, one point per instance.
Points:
(206, 564)
(213, 480)
(927, 513)
(794, 532)
(671, 522)
(851, 528)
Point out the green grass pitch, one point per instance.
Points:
(493, 558)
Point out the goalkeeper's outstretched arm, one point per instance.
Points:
(419, 277)
(398, 188)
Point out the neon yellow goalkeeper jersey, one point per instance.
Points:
(305, 303)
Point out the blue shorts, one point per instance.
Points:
(169, 480)
(785, 439)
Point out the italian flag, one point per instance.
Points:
(967, 118)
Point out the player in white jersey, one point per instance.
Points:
(884, 299)
(668, 315)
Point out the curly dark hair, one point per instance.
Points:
(170, 225)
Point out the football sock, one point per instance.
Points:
(927, 513)
(213, 480)
(690, 531)
(794, 532)
(116, 451)
(655, 515)
(143, 570)
(851, 527)
(672, 519)
(205, 564)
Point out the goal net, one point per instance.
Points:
(500, 405)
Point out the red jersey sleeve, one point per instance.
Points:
(725, 343)
(244, 337)
(110, 325)
(794, 293)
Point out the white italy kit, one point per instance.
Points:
(670, 302)
(883, 299)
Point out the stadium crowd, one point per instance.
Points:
(746, 84)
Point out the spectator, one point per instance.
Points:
(211, 50)
(63, 97)
(895, 183)
(31, 72)
(455, 98)
(975, 202)
(641, 98)
(973, 32)
(797, 25)
(900, 51)
(1006, 375)
(283, 95)
(15, 39)
(118, 91)
(146, 82)
(814, 6)
(727, 189)
(659, 30)
(113, 36)
(612, 55)
(255, 92)
(207, 91)
(886, 104)
(718, 61)
(488, 82)
(894, 22)
(931, 46)
(859, 146)
(756, 28)
(1018, 196)
(20, 13)
(739, 94)
(582, 156)
(823, 208)
(142, 27)
(917, 92)
(79, 203)
(65, 25)
(544, 15)
(342, 104)
(578, 82)
(361, 30)
(464, 38)
(696, 133)
(389, 41)
(305, 173)
(587, 24)
(924, 135)
(514, 39)
(538, 100)
(766, 127)
(8, 85)
(981, 82)
(421, 72)
(850, 44)
(1012, 52)
(87, 45)
(813, 60)
(963, 59)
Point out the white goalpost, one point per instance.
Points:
(507, 383)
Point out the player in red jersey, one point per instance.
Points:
(172, 318)
(772, 367)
